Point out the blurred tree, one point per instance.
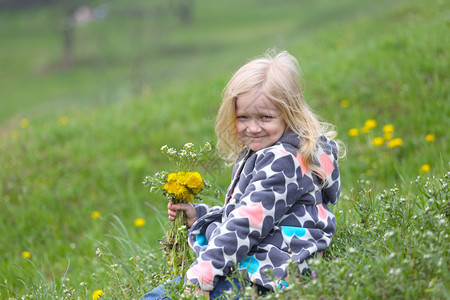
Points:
(77, 13)
(68, 34)
(18, 4)
(183, 9)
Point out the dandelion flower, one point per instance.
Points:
(173, 187)
(378, 141)
(26, 254)
(365, 129)
(63, 120)
(180, 177)
(188, 197)
(388, 135)
(430, 138)
(24, 123)
(97, 294)
(353, 132)
(388, 128)
(397, 142)
(172, 177)
(96, 215)
(15, 134)
(425, 168)
(139, 222)
(370, 124)
(194, 181)
(344, 103)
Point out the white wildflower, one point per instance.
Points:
(389, 234)
(98, 252)
(188, 146)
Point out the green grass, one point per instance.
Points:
(128, 95)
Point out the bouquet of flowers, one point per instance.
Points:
(181, 186)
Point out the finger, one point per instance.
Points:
(179, 206)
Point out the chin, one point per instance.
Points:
(256, 147)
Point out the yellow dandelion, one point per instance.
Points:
(24, 123)
(188, 197)
(353, 132)
(97, 294)
(96, 215)
(180, 191)
(430, 138)
(370, 124)
(378, 141)
(425, 168)
(171, 187)
(15, 134)
(172, 177)
(344, 103)
(176, 189)
(181, 177)
(365, 129)
(194, 181)
(26, 254)
(397, 142)
(139, 222)
(63, 120)
(389, 128)
(388, 135)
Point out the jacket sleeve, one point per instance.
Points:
(203, 209)
(271, 191)
(332, 190)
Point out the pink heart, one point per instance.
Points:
(203, 272)
(326, 163)
(304, 168)
(322, 212)
(254, 212)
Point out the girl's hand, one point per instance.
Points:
(188, 209)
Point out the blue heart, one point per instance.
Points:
(250, 263)
(291, 230)
(201, 240)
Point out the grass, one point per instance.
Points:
(388, 61)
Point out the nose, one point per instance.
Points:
(253, 126)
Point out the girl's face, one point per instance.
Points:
(259, 123)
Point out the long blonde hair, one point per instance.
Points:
(277, 76)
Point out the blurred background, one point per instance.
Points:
(56, 54)
(90, 91)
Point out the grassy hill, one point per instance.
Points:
(80, 140)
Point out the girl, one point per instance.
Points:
(284, 177)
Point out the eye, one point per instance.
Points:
(241, 117)
(267, 117)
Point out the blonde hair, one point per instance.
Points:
(277, 76)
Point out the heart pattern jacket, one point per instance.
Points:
(275, 213)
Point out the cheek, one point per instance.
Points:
(277, 131)
(239, 127)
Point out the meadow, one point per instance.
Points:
(76, 143)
